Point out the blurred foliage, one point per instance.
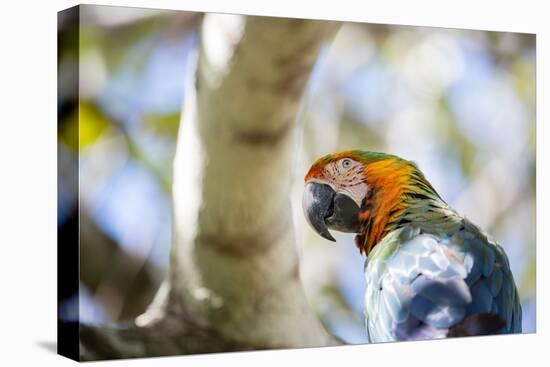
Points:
(166, 125)
(459, 103)
(84, 127)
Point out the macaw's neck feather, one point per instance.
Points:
(398, 195)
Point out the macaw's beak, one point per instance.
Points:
(324, 209)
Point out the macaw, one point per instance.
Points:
(430, 272)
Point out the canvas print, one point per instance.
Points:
(231, 183)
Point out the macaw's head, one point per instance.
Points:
(362, 192)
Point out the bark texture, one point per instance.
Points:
(234, 279)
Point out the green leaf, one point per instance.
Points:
(85, 126)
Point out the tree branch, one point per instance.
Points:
(104, 263)
(234, 273)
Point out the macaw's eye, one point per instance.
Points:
(346, 163)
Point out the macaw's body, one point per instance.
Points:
(430, 272)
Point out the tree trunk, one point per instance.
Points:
(234, 272)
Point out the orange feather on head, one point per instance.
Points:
(388, 180)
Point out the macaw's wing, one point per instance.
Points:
(425, 286)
